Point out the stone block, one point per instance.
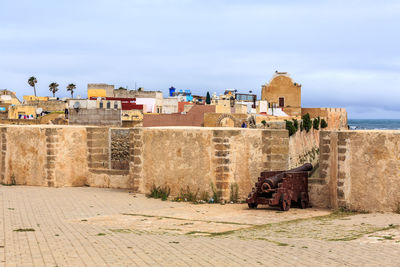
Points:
(51, 151)
(342, 150)
(280, 134)
(340, 193)
(279, 149)
(325, 149)
(222, 185)
(222, 147)
(98, 157)
(222, 169)
(218, 133)
(221, 161)
(326, 142)
(221, 153)
(222, 176)
(218, 140)
(232, 133)
(137, 160)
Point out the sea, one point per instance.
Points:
(369, 124)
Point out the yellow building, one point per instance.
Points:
(28, 98)
(22, 111)
(100, 90)
(283, 93)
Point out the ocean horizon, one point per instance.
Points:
(374, 124)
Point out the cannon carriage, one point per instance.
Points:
(281, 188)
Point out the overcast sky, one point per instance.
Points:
(344, 53)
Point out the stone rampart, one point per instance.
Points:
(335, 117)
(360, 170)
(138, 158)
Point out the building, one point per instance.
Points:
(170, 105)
(9, 97)
(30, 98)
(152, 100)
(94, 112)
(23, 111)
(282, 92)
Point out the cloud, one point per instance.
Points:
(344, 53)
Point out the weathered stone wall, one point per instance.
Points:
(304, 148)
(335, 117)
(137, 158)
(361, 169)
(199, 157)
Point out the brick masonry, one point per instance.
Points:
(98, 149)
(51, 152)
(136, 158)
(275, 149)
(223, 173)
(3, 154)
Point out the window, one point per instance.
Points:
(108, 104)
(281, 102)
(116, 105)
(101, 104)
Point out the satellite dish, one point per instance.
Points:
(39, 110)
(77, 105)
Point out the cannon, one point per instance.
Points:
(281, 188)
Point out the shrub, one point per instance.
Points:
(307, 124)
(205, 196)
(187, 195)
(296, 124)
(301, 126)
(290, 127)
(323, 124)
(159, 192)
(234, 192)
(217, 194)
(264, 123)
(316, 122)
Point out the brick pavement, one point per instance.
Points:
(86, 227)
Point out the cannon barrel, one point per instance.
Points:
(272, 182)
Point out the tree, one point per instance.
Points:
(32, 82)
(307, 124)
(290, 127)
(323, 124)
(296, 124)
(208, 98)
(53, 87)
(316, 123)
(71, 87)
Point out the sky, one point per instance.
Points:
(343, 53)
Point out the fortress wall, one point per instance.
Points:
(361, 170)
(138, 158)
(335, 117)
(304, 148)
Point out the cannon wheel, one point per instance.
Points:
(252, 205)
(303, 200)
(284, 203)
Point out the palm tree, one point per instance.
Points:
(53, 87)
(71, 87)
(32, 82)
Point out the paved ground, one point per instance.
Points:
(103, 227)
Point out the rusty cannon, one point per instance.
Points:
(281, 188)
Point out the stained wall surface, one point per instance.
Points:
(206, 160)
(361, 169)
